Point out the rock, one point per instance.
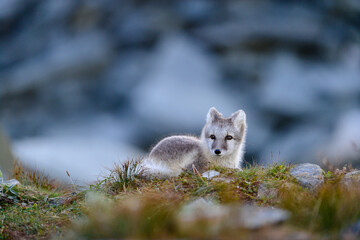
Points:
(204, 211)
(355, 175)
(254, 217)
(210, 174)
(247, 216)
(181, 71)
(59, 201)
(201, 206)
(56, 201)
(309, 175)
(351, 178)
(221, 179)
(6, 157)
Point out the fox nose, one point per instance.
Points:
(217, 151)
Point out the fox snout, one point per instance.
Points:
(217, 151)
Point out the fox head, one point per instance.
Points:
(224, 136)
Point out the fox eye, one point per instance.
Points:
(212, 136)
(228, 137)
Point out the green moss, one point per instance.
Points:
(29, 215)
(278, 171)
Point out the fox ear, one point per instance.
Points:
(213, 114)
(239, 118)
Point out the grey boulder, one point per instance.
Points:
(308, 175)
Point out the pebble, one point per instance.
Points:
(254, 217)
(351, 178)
(246, 216)
(308, 175)
(210, 174)
(222, 179)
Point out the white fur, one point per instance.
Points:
(232, 151)
(152, 167)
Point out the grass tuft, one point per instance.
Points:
(34, 178)
(123, 176)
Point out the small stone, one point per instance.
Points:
(351, 178)
(222, 179)
(201, 209)
(254, 217)
(56, 201)
(308, 175)
(205, 211)
(210, 174)
(353, 175)
(198, 204)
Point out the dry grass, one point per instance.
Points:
(327, 210)
(121, 177)
(35, 178)
(150, 216)
(128, 205)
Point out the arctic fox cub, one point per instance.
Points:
(221, 143)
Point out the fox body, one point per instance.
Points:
(222, 143)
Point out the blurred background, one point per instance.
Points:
(84, 84)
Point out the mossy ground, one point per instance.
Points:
(127, 205)
(29, 216)
(25, 212)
